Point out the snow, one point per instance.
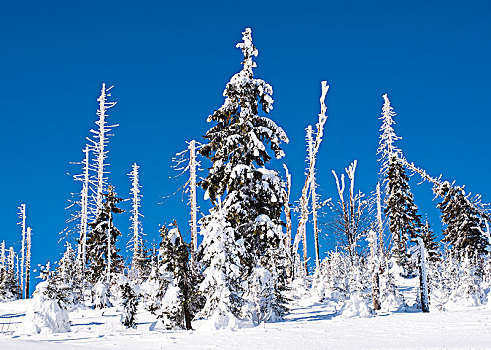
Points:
(309, 325)
(44, 316)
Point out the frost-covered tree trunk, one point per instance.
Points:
(304, 211)
(288, 221)
(380, 223)
(28, 262)
(374, 264)
(136, 227)
(109, 250)
(423, 275)
(3, 257)
(84, 218)
(192, 198)
(100, 142)
(22, 216)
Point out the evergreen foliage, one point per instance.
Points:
(246, 226)
(180, 306)
(464, 230)
(97, 244)
(404, 221)
(130, 301)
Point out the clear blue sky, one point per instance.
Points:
(170, 61)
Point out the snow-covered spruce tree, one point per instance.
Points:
(359, 303)
(390, 298)
(247, 224)
(130, 301)
(467, 291)
(223, 284)
(404, 220)
(179, 304)
(102, 264)
(67, 278)
(429, 240)
(465, 227)
(9, 289)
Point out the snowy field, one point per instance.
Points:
(310, 325)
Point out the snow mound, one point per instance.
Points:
(224, 320)
(356, 307)
(45, 317)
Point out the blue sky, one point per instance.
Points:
(170, 61)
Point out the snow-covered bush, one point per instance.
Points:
(101, 295)
(390, 298)
(47, 315)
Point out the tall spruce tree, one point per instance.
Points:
(237, 146)
(404, 220)
(97, 243)
(465, 227)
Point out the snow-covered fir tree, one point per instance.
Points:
(130, 301)
(430, 241)
(67, 278)
(390, 298)
(464, 226)
(248, 221)
(9, 288)
(399, 207)
(402, 213)
(103, 256)
(180, 301)
(224, 274)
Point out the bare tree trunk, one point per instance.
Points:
(22, 215)
(192, 198)
(302, 230)
(28, 262)
(82, 248)
(109, 249)
(288, 218)
(2, 256)
(374, 262)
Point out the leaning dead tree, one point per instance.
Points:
(304, 199)
(438, 182)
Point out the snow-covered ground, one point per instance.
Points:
(310, 325)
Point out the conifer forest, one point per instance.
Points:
(250, 256)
